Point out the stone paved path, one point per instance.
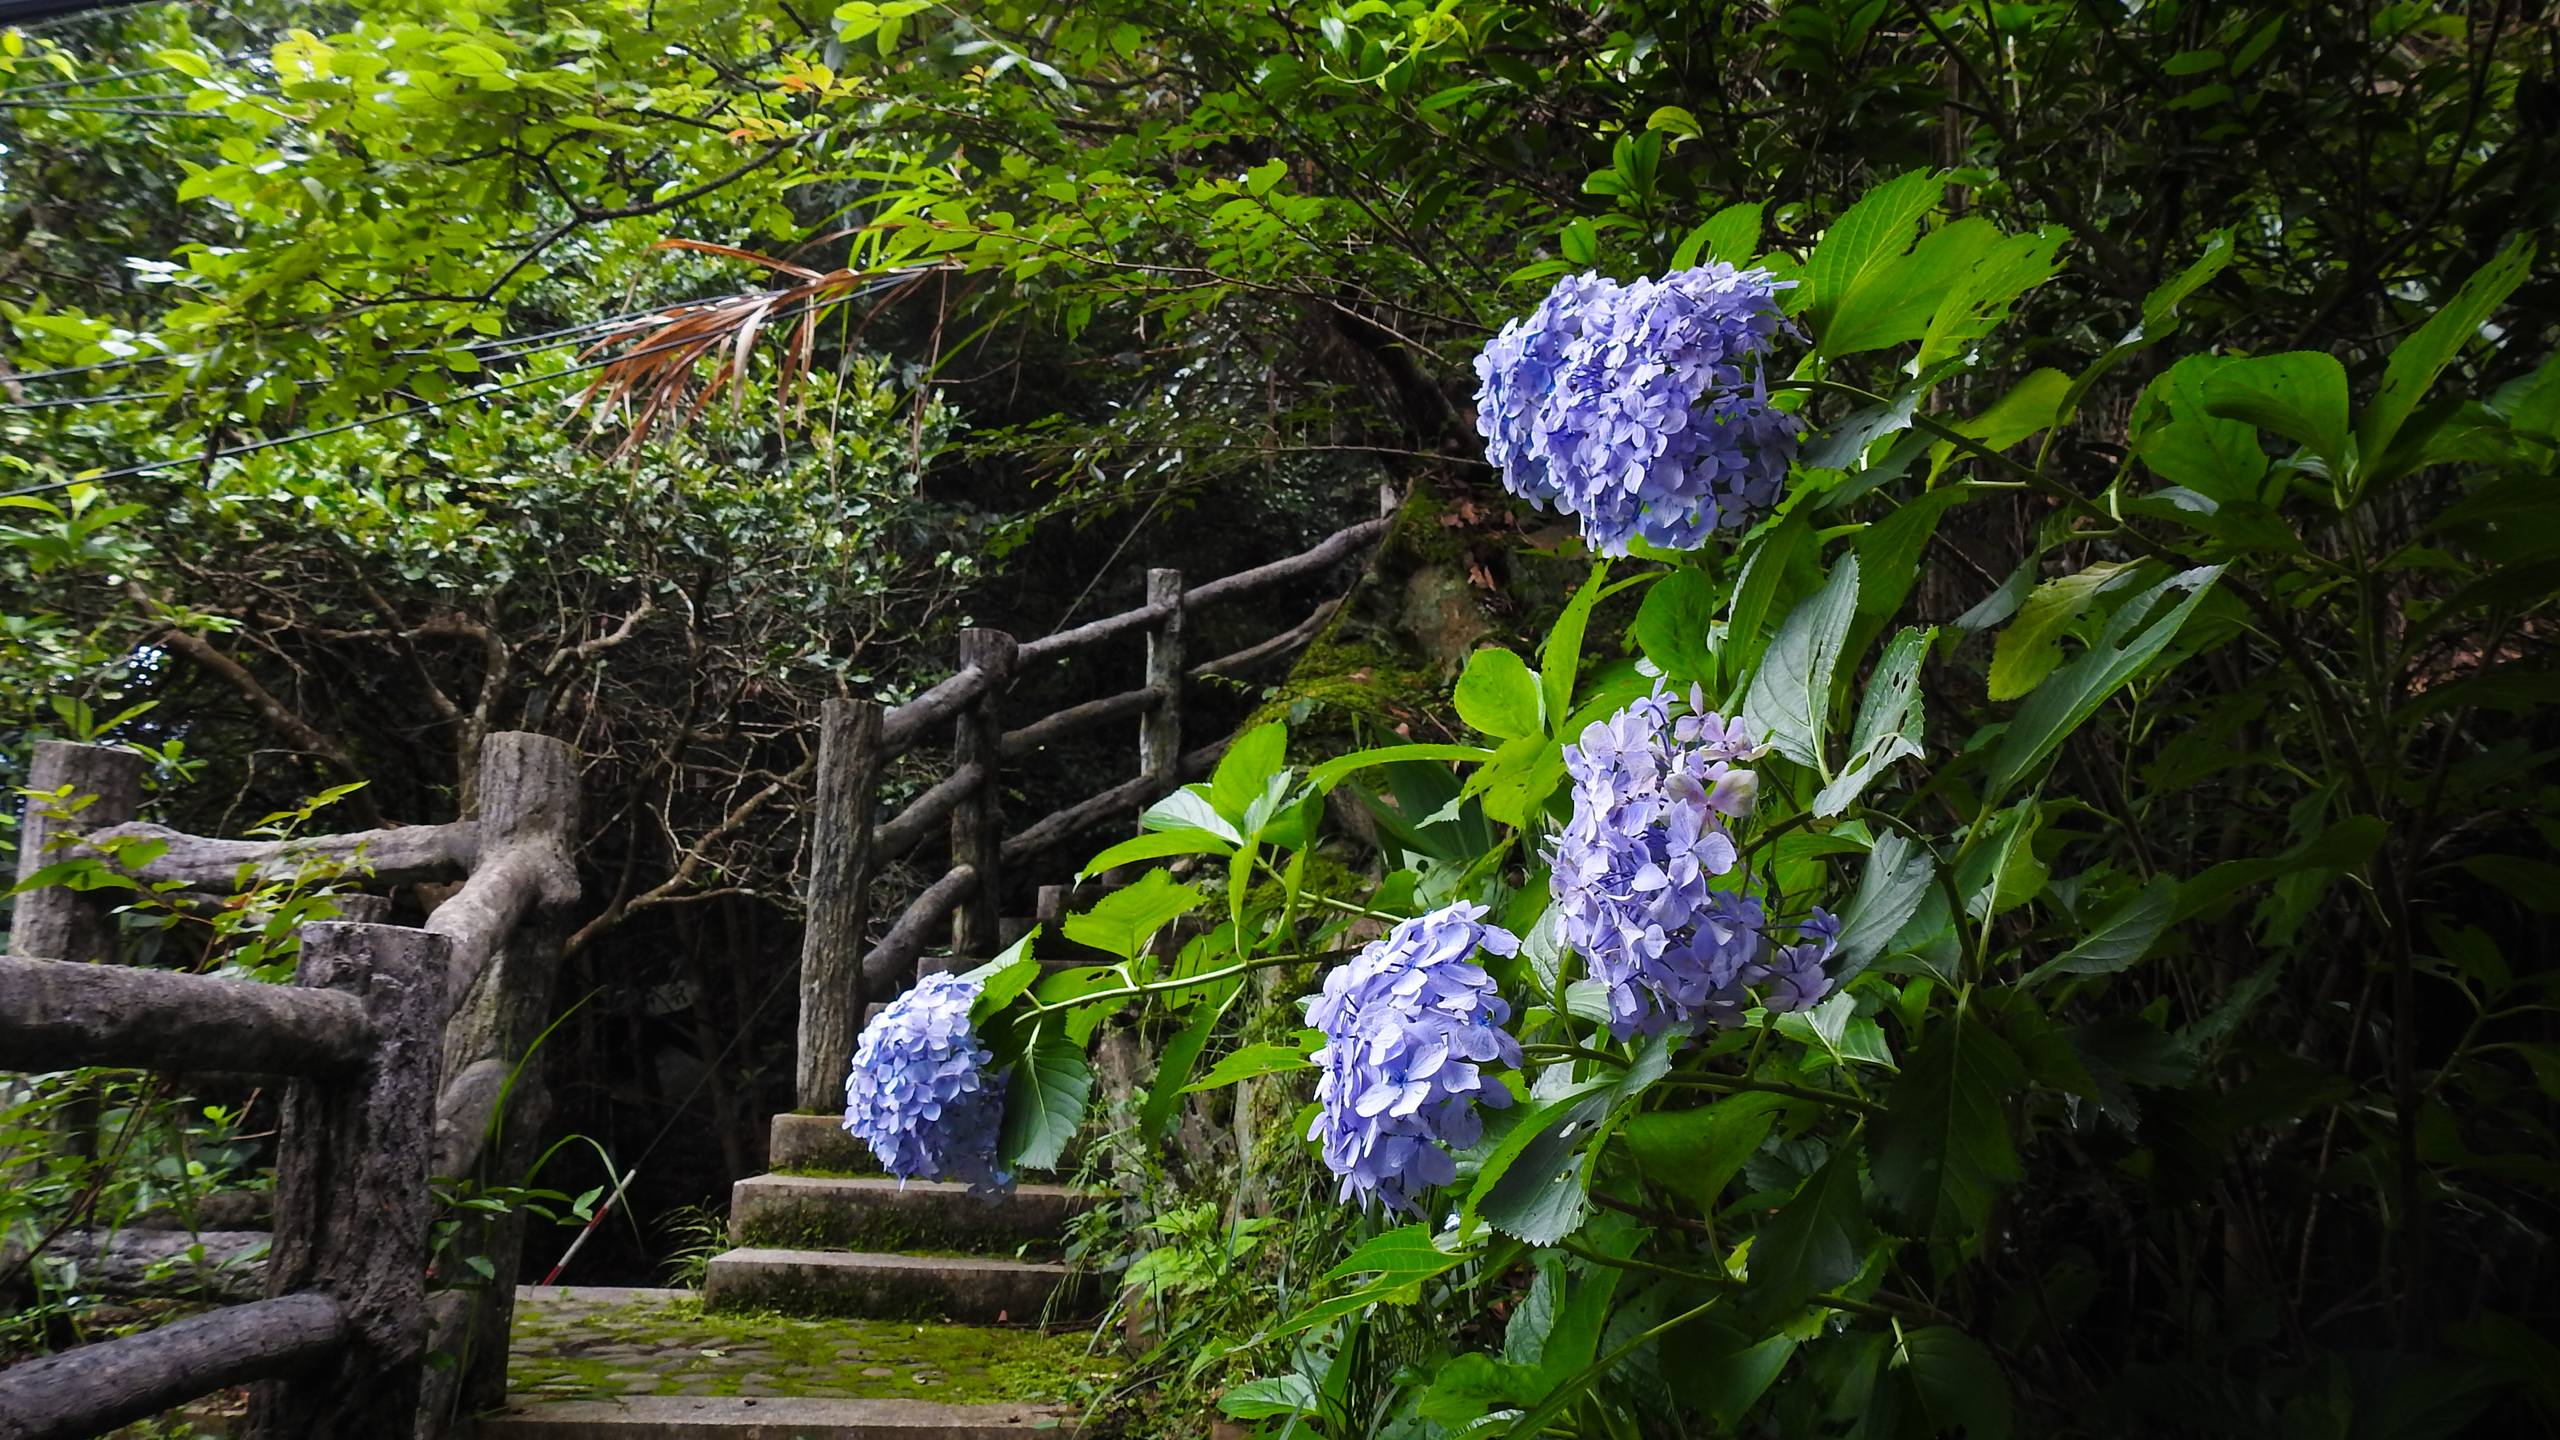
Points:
(609, 1362)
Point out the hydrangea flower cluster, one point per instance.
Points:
(919, 1093)
(1640, 409)
(1793, 978)
(1653, 797)
(1408, 1023)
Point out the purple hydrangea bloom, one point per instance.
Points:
(1640, 409)
(1516, 373)
(919, 1093)
(1631, 873)
(1408, 1024)
(1792, 978)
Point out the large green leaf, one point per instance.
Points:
(2124, 936)
(1906, 289)
(1816, 1241)
(1790, 697)
(1124, 921)
(1173, 1073)
(2299, 394)
(1889, 892)
(1942, 1145)
(2031, 646)
(2417, 361)
(1695, 1153)
(2074, 693)
(1499, 696)
(1156, 845)
(1676, 627)
(1980, 299)
(1398, 1264)
(1531, 1186)
(1888, 725)
(1332, 772)
(1560, 659)
(1251, 1061)
(1245, 771)
(1958, 1384)
(1272, 1398)
(1045, 1101)
(1864, 241)
(1764, 570)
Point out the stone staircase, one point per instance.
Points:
(849, 1300)
(813, 1238)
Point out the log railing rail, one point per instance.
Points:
(488, 957)
(839, 969)
(339, 1345)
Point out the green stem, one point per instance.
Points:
(1830, 1299)
(1738, 1083)
(1205, 977)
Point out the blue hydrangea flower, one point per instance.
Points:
(1631, 873)
(1640, 409)
(1409, 1022)
(1516, 373)
(1792, 977)
(920, 1094)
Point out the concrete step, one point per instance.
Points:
(722, 1417)
(902, 1287)
(812, 1213)
(817, 1142)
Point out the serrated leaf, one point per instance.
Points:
(1189, 808)
(1977, 303)
(1816, 1241)
(1676, 627)
(2031, 646)
(1696, 1153)
(2124, 936)
(1498, 696)
(1272, 1398)
(1124, 921)
(1530, 1187)
(1959, 1386)
(1156, 846)
(1869, 235)
(1790, 697)
(1898, 874)
(2074, 693)
(1889, 722)
(1245, 771)
(1942, 1147)
(1253, 1060)
(1173, 1073)
(1045, 1100)
(1001, 979)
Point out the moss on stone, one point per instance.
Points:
(672, 1346)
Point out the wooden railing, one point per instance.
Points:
(839, 972)
(487, 957)
(340, 1345)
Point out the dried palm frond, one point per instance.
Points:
(654, 369)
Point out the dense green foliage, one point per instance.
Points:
(2156, 635)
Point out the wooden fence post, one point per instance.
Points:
(54, 923)
(977, 827)
(352, 1207)
(1160, 729)
(512, 911)
(838, 899)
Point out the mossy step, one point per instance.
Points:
(811, 1213)
(916, 1287)
(587, 1346)
(705, 1417)
(817, 1142)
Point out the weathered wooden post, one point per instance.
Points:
(55, 923)
(1160, 729)
(352, 1206)
(837, 900)
(507, 924)
(977, 826)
